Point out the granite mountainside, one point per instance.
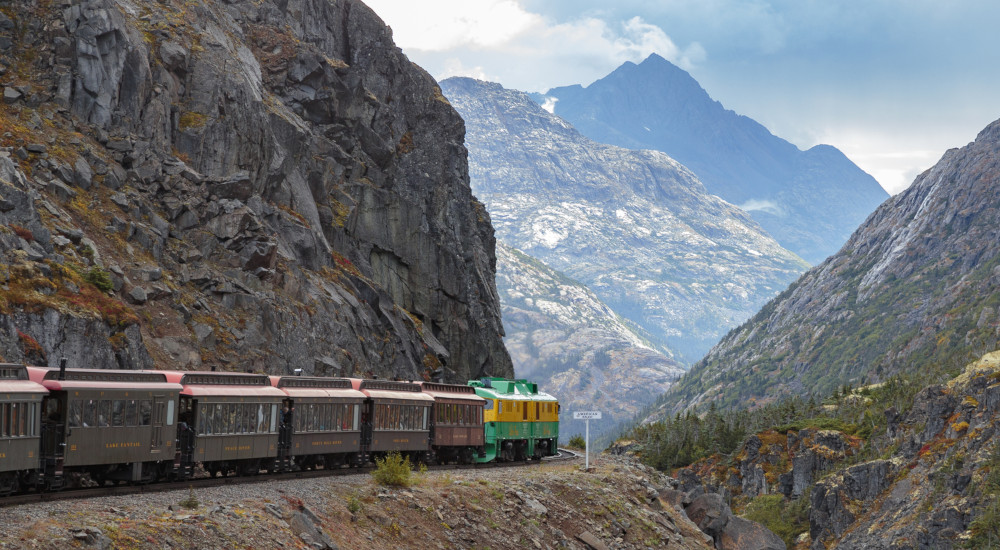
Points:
(560, 332)
(915, 290)
(255, 185)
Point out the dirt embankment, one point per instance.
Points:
(539, 506)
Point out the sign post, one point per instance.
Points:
(587, 416)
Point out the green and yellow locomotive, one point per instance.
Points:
(520, 421)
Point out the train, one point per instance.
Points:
(61, 426)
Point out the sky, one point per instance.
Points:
(891, 83)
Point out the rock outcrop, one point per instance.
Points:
(562, 336)
(927, 477)
(937, 489)
(269, 185)
(710, 512)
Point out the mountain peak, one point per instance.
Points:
(819, 196)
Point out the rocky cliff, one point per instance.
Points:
(809, 201)
(255, 185)
(915, 289)
(562, 336)
(925, 475)
(635, 227)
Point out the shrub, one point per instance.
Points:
(393, 470)
(353, 504)
(986, 527)
(787, 519)
(191, 502)
(577, 442)
(23, 232)
(99, 278)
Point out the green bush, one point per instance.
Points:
(191, 502)
(99, 278)
(354, 504)
(393, 470)
(787, 519)
(577, 442)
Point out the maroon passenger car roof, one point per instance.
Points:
(390, 389)
(316, 386)
(209, 383)
(14, 379)
(93, 379)
(452, 392)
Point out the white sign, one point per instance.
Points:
(587, 415)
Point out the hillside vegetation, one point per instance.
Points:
(899, 464)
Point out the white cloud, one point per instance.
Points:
(522, 50)
(763, 205)
(441, 25)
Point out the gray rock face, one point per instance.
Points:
(911, 291)
(932, 487)
(712, 515)
(563, 337)
(829, 515)
(316, 178)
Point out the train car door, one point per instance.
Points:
(159, 419)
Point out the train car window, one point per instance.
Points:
(76, 413)
(118, 413)
(90, 413)
(537, 416)
(426, 418)
(132, 412)
(262, 418)
(33, 416)
(104, 414)
(245, 417)
(145, 412)
(17, 424)
(249, 422)
(204, 419)
(203, 426)
(4, 417)
(171, 406)
(488, 406)
(230, 418)
(357, 414)
(274, 418)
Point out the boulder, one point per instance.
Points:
(710, 513)
(742, 534)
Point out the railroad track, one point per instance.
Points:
(205, 481)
